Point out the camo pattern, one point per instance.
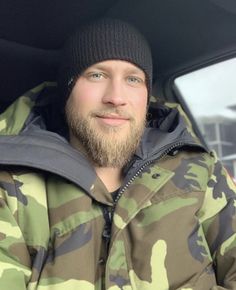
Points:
(174, 228)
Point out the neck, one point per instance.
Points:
(110, 176)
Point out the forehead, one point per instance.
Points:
(117, 65)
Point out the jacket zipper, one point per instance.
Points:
(106, 234)
(108, 214)
(162, 155)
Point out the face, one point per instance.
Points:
(106, 111)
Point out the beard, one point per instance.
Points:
(105, 146)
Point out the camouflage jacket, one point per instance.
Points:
(173, 225)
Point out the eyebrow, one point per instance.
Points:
(135, 70)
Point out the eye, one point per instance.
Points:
(135, 80)
(95, 76)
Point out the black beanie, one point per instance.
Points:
(101, 40)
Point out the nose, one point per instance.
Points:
(115, 93)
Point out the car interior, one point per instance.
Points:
(186, 37)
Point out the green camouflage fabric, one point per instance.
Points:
(174, 227)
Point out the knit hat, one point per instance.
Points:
(101, 40)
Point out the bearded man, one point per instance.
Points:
(103, 199)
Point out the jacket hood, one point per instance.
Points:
(33, 134)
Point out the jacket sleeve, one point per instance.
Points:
(220, 226)
(15, 262)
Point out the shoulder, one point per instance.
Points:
(18, 184)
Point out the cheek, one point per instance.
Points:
(86, 94)
(140, 104)
(84, 100)
(79, 95)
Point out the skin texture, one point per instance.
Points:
(106, 112)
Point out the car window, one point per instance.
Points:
(210, 94)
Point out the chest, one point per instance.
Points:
(155, 228)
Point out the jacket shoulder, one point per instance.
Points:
(23, 193)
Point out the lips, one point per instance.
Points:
(112, 119)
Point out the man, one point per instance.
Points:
(110, 201)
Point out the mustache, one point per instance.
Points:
(116, 111)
